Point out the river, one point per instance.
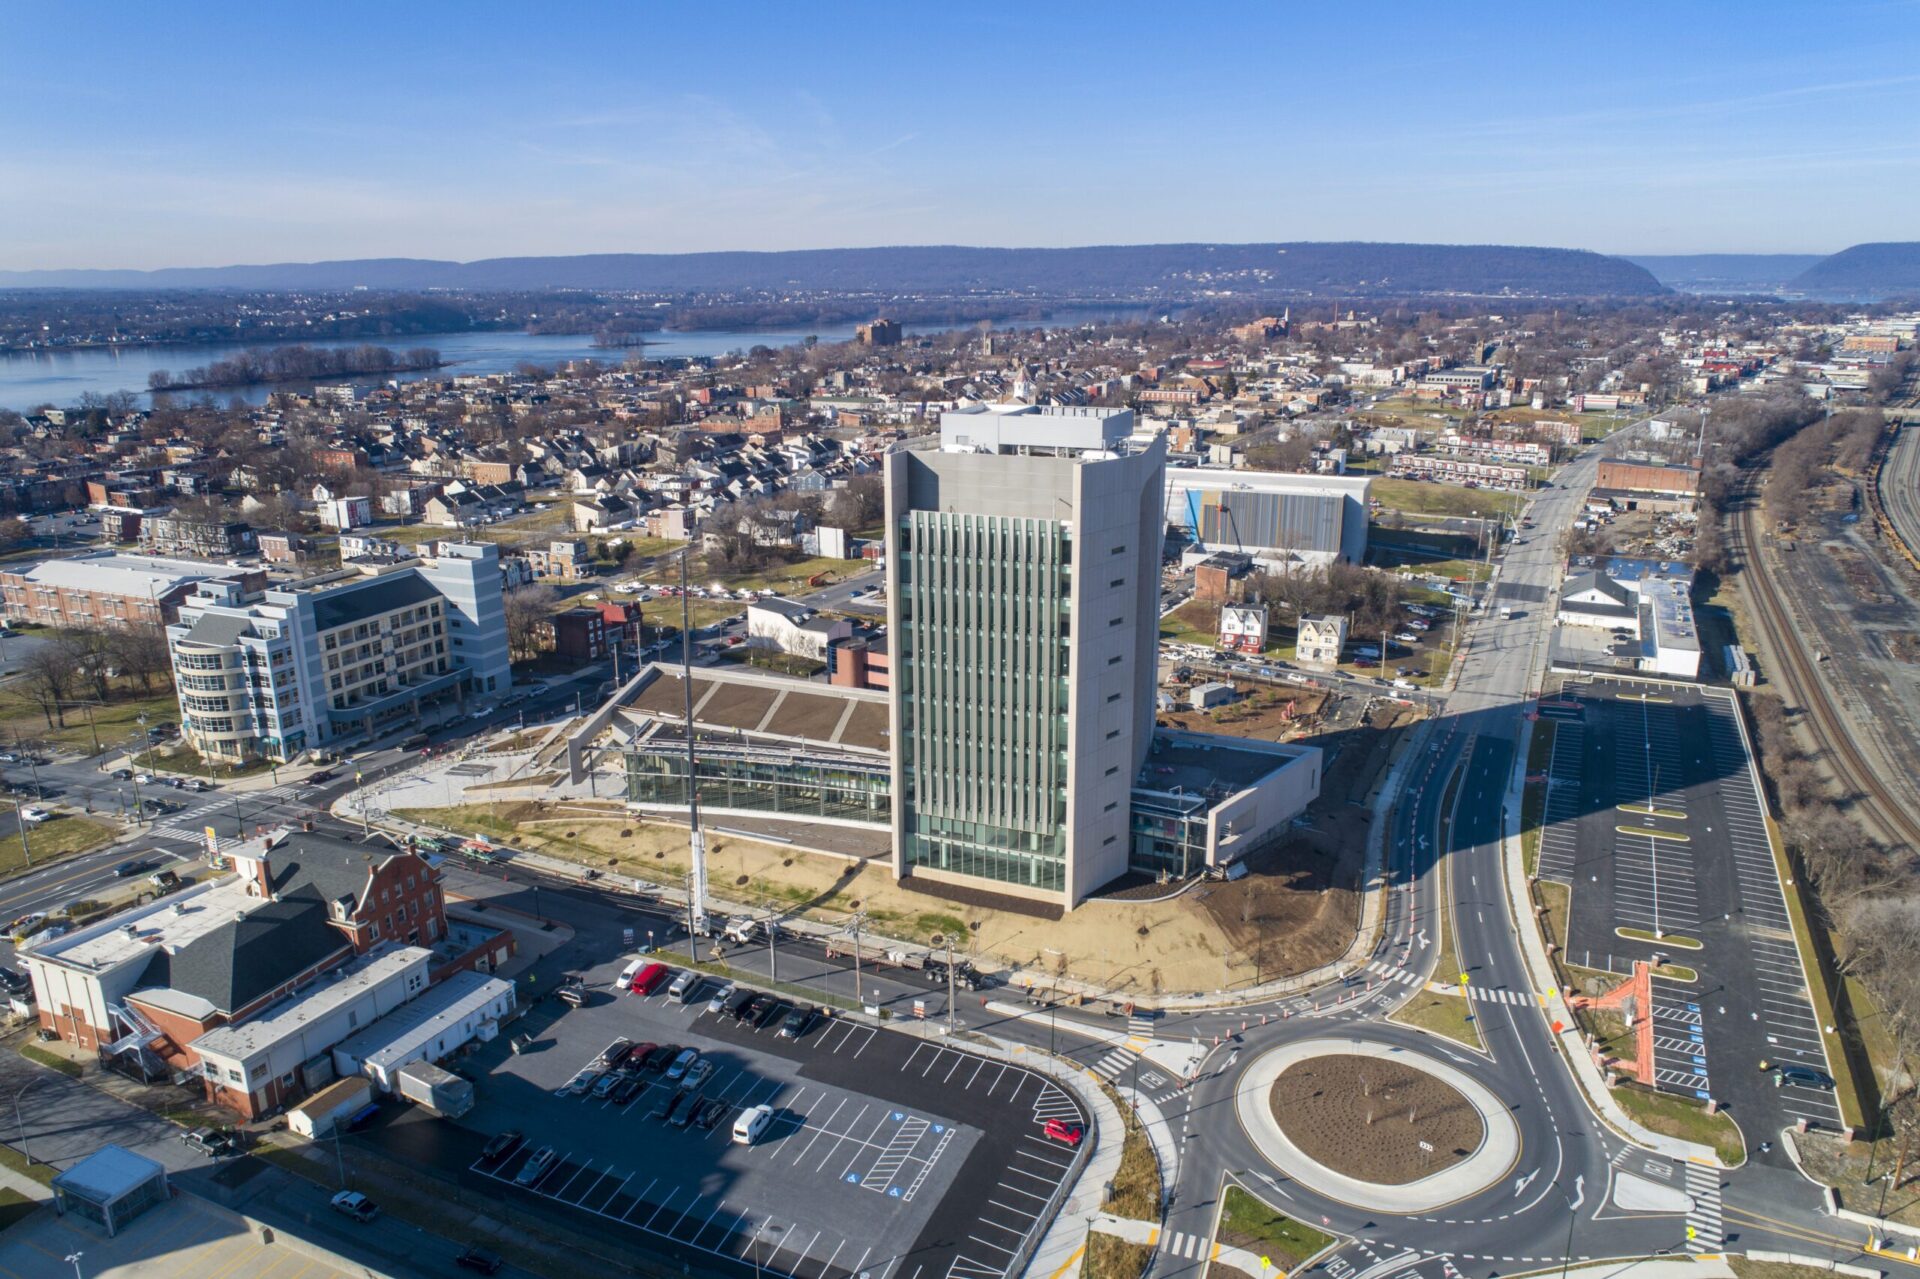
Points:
(30, 379)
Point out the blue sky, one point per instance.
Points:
(196, 134)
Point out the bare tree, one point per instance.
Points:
(47, 678)
(528, 609)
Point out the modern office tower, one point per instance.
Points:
(1022, 586)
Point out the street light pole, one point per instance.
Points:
(21, 821)
(20, 1123)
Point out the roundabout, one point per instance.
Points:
(1377, 1127)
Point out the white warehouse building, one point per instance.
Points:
(1284, 520)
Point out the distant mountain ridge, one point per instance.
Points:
(1865, 270)
(1725, 272)
(1338, 269)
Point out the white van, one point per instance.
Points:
(683, 986)
(751, 1123)
(624, 981)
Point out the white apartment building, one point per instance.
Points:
(298, 669)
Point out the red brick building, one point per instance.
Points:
(142, 986)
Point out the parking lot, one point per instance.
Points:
(1653, 817)
(889, 1155)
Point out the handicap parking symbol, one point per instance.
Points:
(897, 1116)
(938, 1129)
(853, 1179)
(894, 1193)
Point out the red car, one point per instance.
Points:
(1061, 1131)
(649, 979)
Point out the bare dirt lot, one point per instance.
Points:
(1296, 911)
(1366, 1118)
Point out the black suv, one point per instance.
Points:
(738, 1005)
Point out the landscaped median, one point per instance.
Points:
(62, 835)
(1279, 1240)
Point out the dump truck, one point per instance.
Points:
(440, 1091)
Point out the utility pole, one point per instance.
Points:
(696, 844)
(773, 952)
(21, 822)
(858, 993)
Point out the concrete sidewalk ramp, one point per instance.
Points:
(1643, 1194)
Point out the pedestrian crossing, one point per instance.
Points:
(1703, 1220)
(1484, 994)
(193, 820)
(1119, 1059)
(1182, 1244)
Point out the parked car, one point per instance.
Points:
(355, 1205)
(660, 1058)
(774, 1011)
(670, 1109)
(478, 1258)
(626, 1090)
(637, 1056)
(721, 998)
(1803, 1077)
(649, 979)
(1061, 1131)
(536, 1166)
(613, 1052)
(697, 1075)
(122, 774)
(681, 1064)
(797, 1023)
(750, 1124)
(604, 1086)
(737, 1006)
(502, 1144)
(710, 1114)
(212, 1142)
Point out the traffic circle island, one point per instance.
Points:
(1380, 1127)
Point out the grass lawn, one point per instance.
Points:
(1556, 897)
(185, 759)
(113, 723)
(51, 1060)
(1533, 801)
(40, 1172)
(665, 615)
(1136, 1186)
(1191, 623)
(1452, 570)
(773, 660)
(1248, 1223)
(1687, 1120)
(62, 836)
(1111, 1257)
(14, 1206)
(1422, 498)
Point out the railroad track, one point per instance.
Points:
(1874, 801)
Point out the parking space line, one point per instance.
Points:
(820, 1128)
(648, 1224)
(640, 1199)
(841, 1137)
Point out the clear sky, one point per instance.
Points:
(186, 134)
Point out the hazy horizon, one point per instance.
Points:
(261, 136)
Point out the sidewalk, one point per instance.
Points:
(1146, 1232)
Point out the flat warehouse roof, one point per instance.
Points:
(415, 1023)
